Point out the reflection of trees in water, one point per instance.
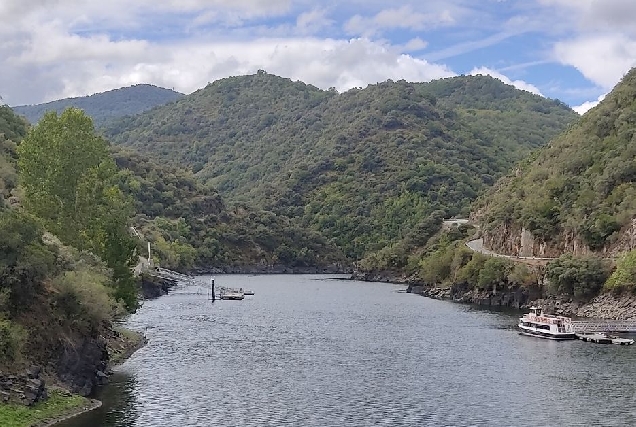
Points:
(120, 406)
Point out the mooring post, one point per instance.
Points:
(213, 293)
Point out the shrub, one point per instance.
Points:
(494, 272)
(624, 277)
(12, 339)
(581, 277)
(84, 294)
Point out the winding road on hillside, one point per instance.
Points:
(477, 245)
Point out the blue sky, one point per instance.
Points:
(573, 50)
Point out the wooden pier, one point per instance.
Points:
(587, 326)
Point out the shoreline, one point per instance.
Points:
(129, 343)
(94, 404)
(607, 305)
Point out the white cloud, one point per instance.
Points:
(602, 59)
(190, 65)
(404, 17)
(588, 105)
(414, 45)
(309, 22)
(604, 15)
(519, 84)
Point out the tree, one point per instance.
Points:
(579, 277)
(624, 277)
(68, 178)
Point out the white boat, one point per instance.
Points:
(541, 325)
(231, 294)
(605, 338)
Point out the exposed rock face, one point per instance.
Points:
(514, 297)
(154, 287)
(610, 306)
(383, 276)
(79, 364)
(25, 389)
(513, 239)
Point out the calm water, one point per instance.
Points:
(308, 351)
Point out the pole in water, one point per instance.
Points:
(213, 294)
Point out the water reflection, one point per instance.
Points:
(120, 406)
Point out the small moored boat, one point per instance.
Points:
(231, 294)
(541, 325)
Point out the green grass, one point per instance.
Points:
(14, 415)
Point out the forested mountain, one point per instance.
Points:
(501, 111)
(189, 225)
(578, 194)
(106, 105)
(364, 167)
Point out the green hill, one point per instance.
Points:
(363, 167)
(106, 105)
(190, 227)
(578, 194)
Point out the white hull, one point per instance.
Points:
(531, 332)
(536, 324)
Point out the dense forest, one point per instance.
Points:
(65, 250)
(364, 168)
(190, 226)
(580, 188)
(105, 106)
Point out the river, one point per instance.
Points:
(311, 351)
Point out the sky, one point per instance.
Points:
(573, 50)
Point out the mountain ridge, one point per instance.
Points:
(348, 164)
(106, 105)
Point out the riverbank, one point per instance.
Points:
(60, 404)
(604, 306)
(608, 305)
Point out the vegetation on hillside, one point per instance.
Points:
(582, 184)
(105, 106)
(445, 261)
(189, 225)
(68, 178)
(12, 130)
(363, 168)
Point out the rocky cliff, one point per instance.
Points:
(515, 240)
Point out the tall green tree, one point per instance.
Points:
(69, 181)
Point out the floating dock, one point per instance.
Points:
(603, 338)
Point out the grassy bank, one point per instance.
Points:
(59, 405)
